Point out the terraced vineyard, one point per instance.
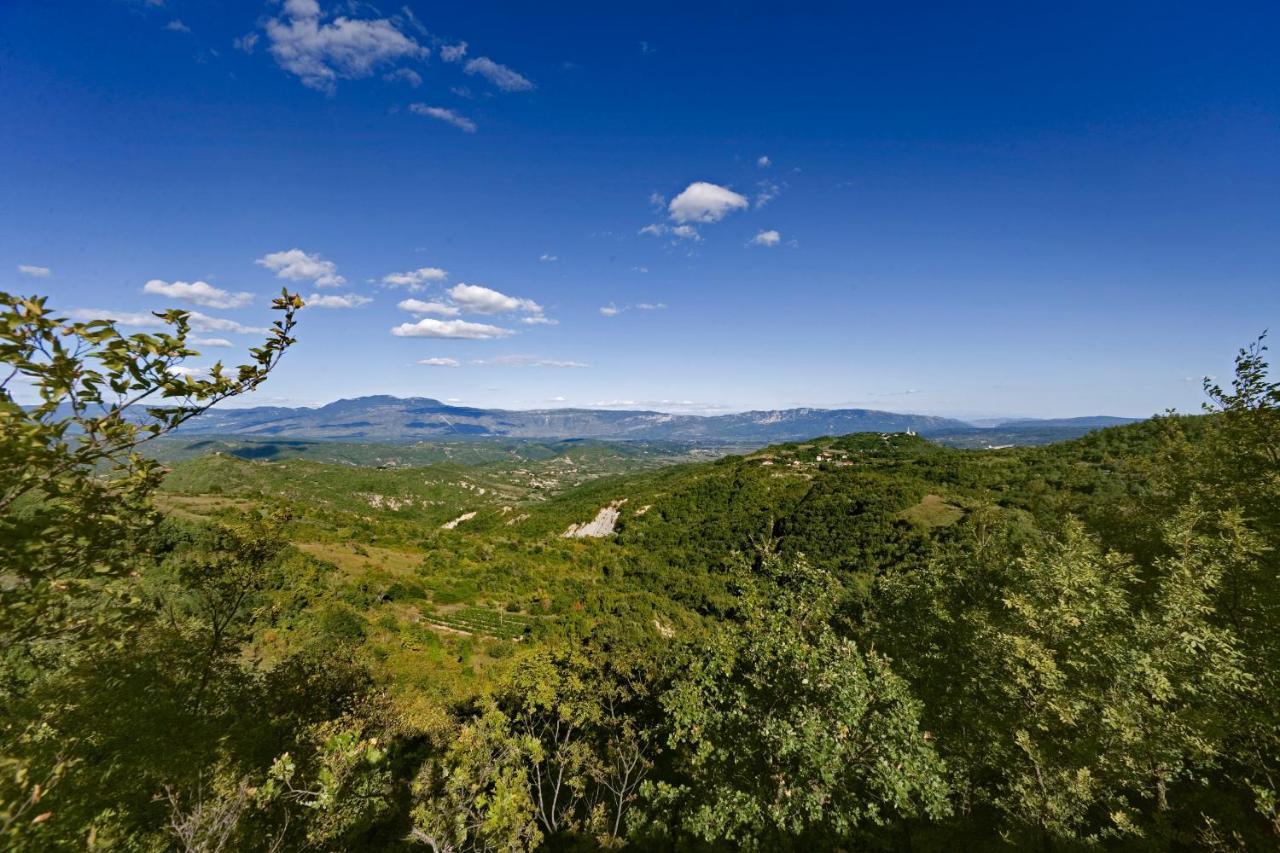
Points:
(480, 620)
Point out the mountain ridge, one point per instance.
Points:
(388, 418)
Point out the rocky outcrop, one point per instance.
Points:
(601, 525)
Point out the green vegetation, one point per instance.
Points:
(478, 620)
(867, 642)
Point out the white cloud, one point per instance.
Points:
(766, 238)
(611, 310)
(705, 202)
(453, 52)
(321, 53)
(199, 292)
(246, 42)
(147, 320)
(351, 300)
(205, 323)
(548, 258)
(440, 362)
(529, 361)
(190, 372)
(429, 328)
(417, 306)
(475, 299)
(650, 306)
(763, 161)
(408, 75)
(506, 79)
(556, 399)
(34, 271)
(445, 115)
(176, 26)
(297, 265)
(414, 280)
(658, 200)
(209, 342)
(539, 320)
(137, 319)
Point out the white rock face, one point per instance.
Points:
(466, 516)
(601, 525)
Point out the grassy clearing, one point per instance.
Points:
(933, 511)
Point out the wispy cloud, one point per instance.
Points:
(529, 361)
(330, 300)
(612, 310)
(453, 52)
(34, 271)
(297, 265)
(404, 75)
(445, 115)
(676, 232)
(768, 191)
(506, 79)
(440, 362)
(768, 239)
(146, 320)
(176, 26)
(199, 292)
(548, 258)
(763, 161)
(459, 329)
(209, 342)
(662, 405)
(205, 323)
(320, 52)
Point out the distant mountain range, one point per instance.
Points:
(391, 419)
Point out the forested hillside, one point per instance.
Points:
(865, 642)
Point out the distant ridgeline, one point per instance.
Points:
(393, 419)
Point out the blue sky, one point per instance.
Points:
(1020, 209)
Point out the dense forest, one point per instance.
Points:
(867, 642)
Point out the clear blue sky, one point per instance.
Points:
(1022, 208)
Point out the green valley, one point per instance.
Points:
(870, 641)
